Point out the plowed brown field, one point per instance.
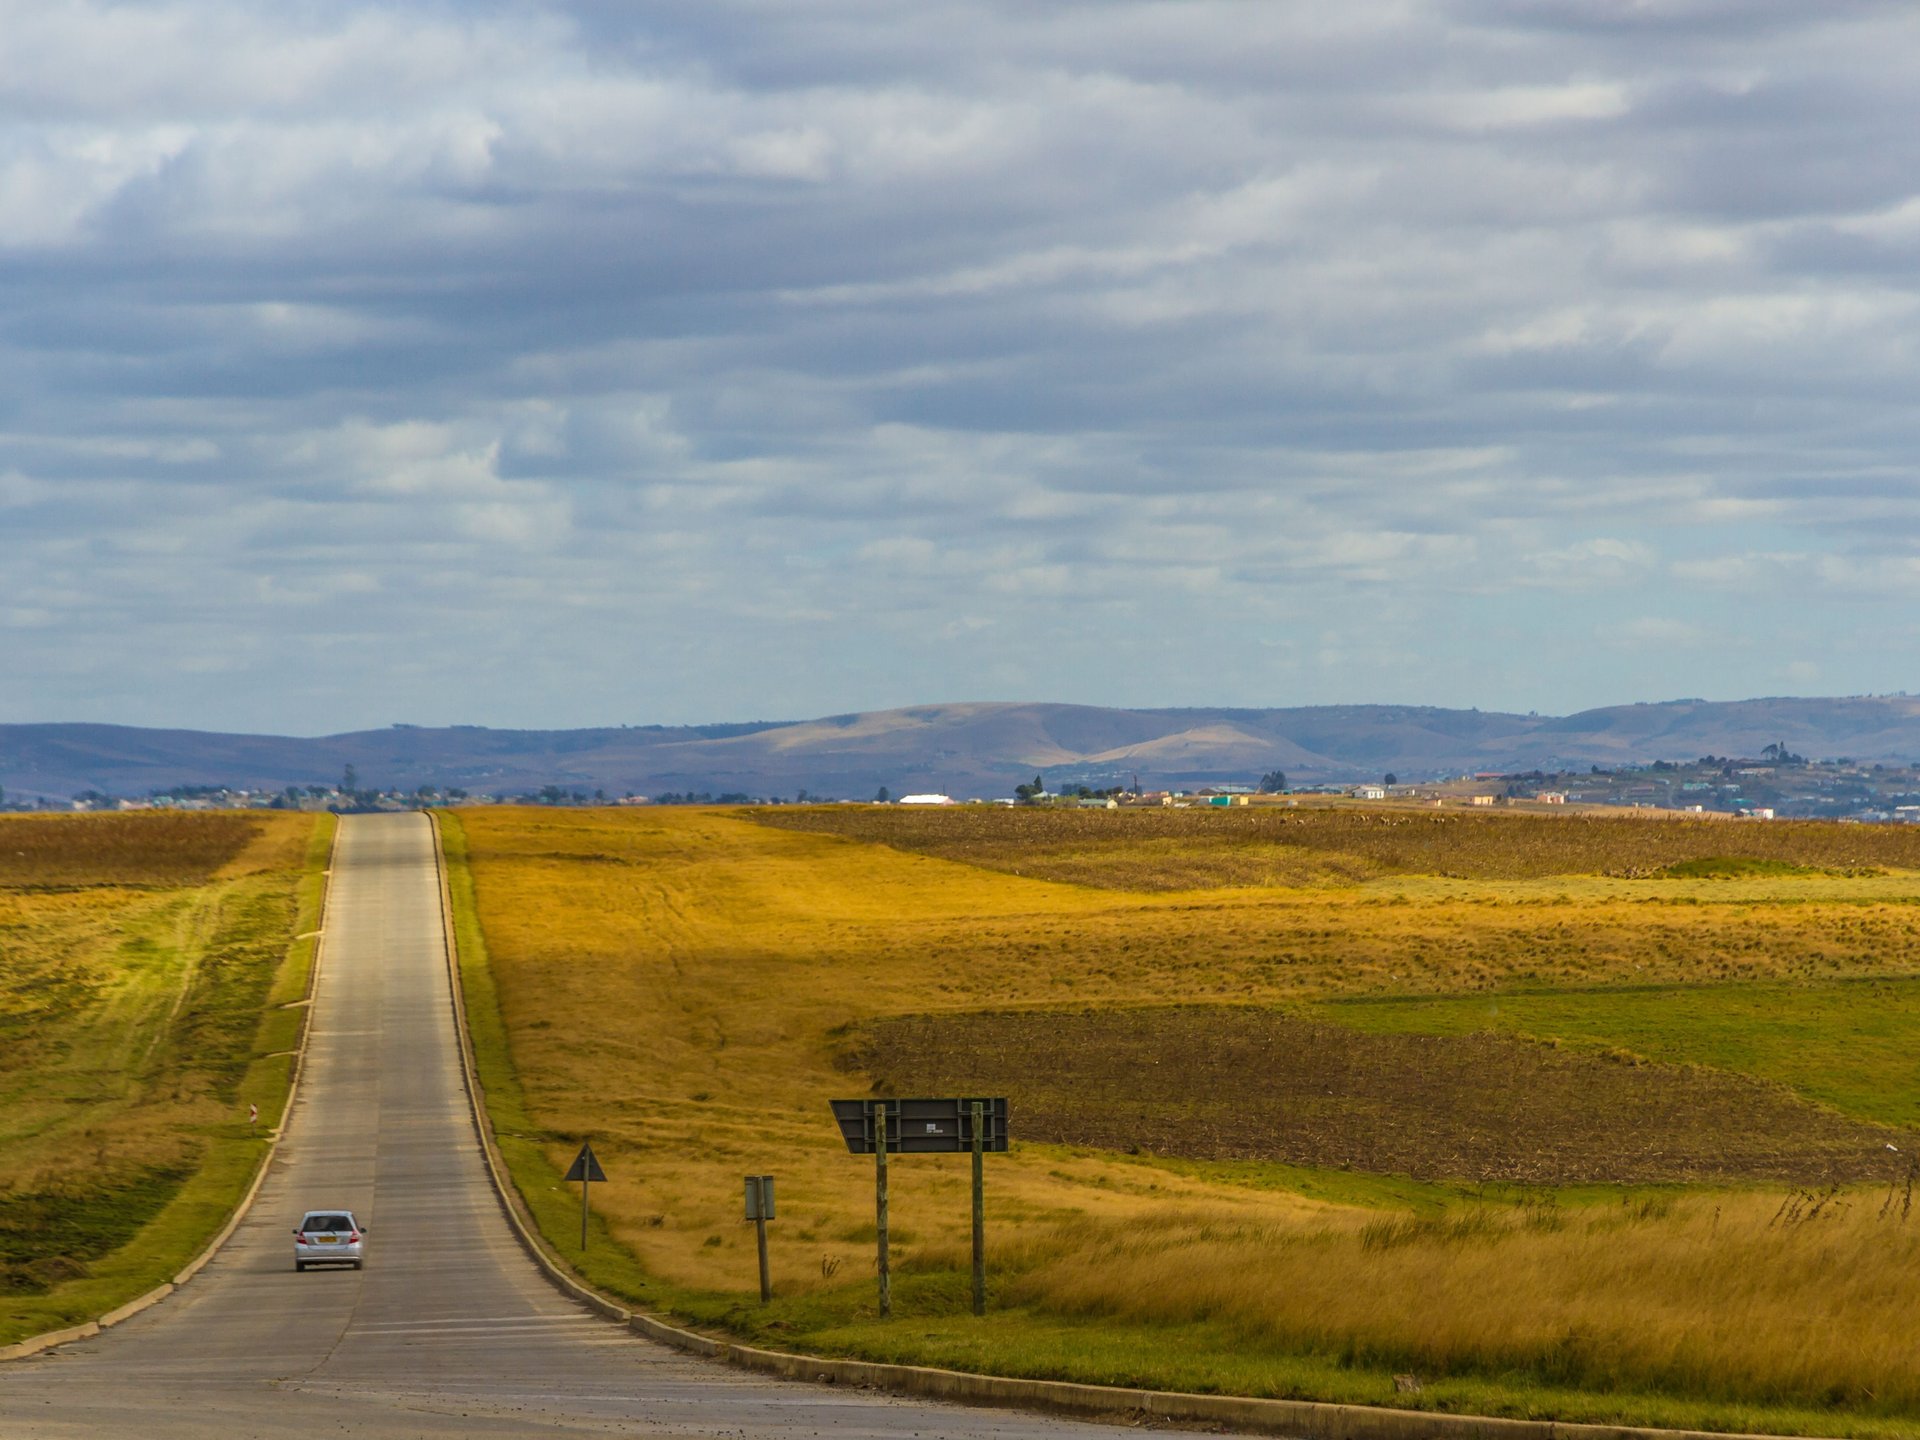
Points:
(1188, 849)
(146, 849)
(1236, 1083)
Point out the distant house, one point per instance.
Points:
(1481, 799)
(1552, 797)
(1368, 792)
(926, 800)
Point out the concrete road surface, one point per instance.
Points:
(449, 1330)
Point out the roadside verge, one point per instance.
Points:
(35, 1344)
(1317, 1420)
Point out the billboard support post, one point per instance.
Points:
(925, 1127)
(979, 1209)
(880, 1208)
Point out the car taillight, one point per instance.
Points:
(354, 1238)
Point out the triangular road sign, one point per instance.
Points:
(585, 1167)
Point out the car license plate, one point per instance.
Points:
(327, 1239)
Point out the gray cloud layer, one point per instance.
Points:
(545, 365)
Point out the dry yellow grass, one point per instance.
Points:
(1721, 1297)
(670, 983)
(677, 984)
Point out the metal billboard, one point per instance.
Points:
(923, 1127)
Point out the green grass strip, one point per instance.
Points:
(231, 1151)
(1850, 1044)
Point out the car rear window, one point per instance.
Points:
(327, 1222)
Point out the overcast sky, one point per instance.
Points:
(559, 364)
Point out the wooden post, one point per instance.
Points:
(880, 1205)
(584, 1182)
(766, 1285)
(979, 1209)
(759, 1211)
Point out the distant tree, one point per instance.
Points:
(882, 795)
(1274, 782)
(349, 780)
(1392, 779)
(1030, 793)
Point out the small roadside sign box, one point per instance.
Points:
(759, 1197)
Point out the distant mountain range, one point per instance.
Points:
(961, 749)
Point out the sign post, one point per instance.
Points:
(925, 1127)
(979, 1209)
(760, 1210)
(585, 1169)
(880, 1208)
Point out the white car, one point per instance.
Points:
(328, 1237)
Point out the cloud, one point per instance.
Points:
(1652, 632)
(696, 360)
(1596, 563)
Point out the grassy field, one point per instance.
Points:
(1185, 849)
(1722, 1031)
(150, 969)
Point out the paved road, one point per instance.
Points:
(449, 1330)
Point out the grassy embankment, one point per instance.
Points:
(152, 969)
(689, 988)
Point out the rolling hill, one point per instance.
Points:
(975, 748)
